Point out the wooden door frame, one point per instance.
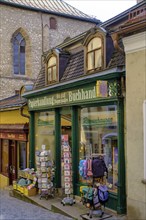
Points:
(14, 146)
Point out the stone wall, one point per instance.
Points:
(34, 26)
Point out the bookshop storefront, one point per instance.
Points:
(90, 117)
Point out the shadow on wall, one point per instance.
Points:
(134, 213)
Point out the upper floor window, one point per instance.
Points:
(19, 54)
(53, 23)
(52, 70)
(94, 54)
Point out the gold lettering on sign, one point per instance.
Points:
(21, 136)
(11, 136)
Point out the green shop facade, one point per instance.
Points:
(89, 113)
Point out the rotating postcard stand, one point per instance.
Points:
(67, 174)
(45, 173)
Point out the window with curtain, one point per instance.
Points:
(18, 54)
(94, 54)
(51, 70)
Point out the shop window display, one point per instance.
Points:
(45, 131)
(99, 136)
(22, 155)
(4, 156)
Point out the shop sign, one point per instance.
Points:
(97, 122)
(69, 97)
(100, 119)
(19, 137)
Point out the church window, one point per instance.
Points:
(19, 45)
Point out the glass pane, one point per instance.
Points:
(52, 61)
(22, 60)
(90, 60)
(97, 58)
(16, 57)
(94, 43)
(54, 73)
(5, 157)
(45, 131)
(22, 155)
(19, 37)
(49, 75)
(99, 136)
(23, 43)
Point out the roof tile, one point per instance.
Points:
(13, 101)
(59, 7)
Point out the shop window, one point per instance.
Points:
(19, 44)
(52, 70)
(53, 23)
(22, 155)
(45, 131)
(4, 152)
(99, 137)
(94, 54)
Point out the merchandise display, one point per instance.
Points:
(26, 183)
(45, 173)
(67, 174)
(95, 194)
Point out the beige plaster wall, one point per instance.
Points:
(135, 96)
(35, 26)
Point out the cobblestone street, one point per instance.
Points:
(14, 209)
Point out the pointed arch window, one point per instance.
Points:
(94, 54)
(19, 45)
(53, 23)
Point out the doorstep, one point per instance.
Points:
(77, 211)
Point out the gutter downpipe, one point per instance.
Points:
(115, 38)
(144, 130)
(115, 35)
(21, 112)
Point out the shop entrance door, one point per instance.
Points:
(12, 161)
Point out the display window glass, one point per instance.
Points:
(45, 131)
(5, 157)
(98, 135)
(22, 161)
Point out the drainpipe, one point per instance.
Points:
(115, 39)
(21, 112)
(144, 132)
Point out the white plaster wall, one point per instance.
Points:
(135, 96)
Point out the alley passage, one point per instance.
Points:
(15, 209)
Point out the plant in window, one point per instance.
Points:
(19, 54)
(94, 54)
(51, 70)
